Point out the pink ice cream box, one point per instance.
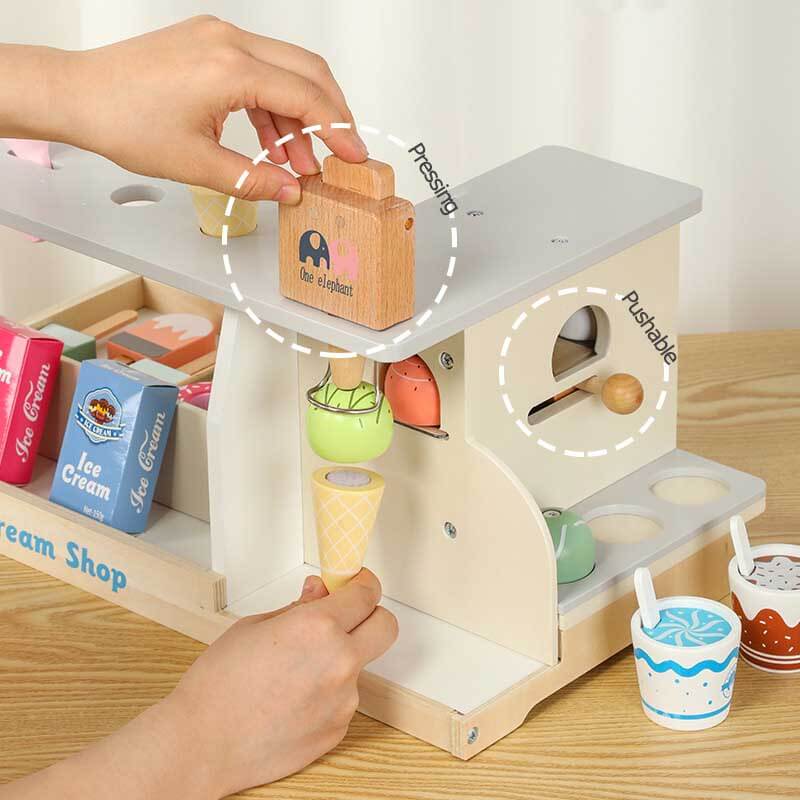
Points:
(29, 363)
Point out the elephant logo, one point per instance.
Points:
(316, 252)
(344, 258)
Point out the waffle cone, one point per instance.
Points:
(345, 517)
(210, 209)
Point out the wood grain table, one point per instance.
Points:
(73, 668)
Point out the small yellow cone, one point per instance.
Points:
(346, 503)
(210, 207)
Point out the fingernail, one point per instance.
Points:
(360, 144)
(289, 194)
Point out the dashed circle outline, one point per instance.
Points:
(226, 261)
(524, 427)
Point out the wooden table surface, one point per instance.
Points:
(73, 667)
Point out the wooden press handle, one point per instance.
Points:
(620, 393)
(346, 372)
(370, 178)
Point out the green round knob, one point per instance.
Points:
(573, 543)
(349, 438)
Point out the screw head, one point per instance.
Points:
(474, 213)
(472, 735)
(552, 513)
(450, 530)
(446, 360)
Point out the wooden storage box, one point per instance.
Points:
(183, 481)
(166, 570)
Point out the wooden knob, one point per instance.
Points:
(346, 372)
(621, 393)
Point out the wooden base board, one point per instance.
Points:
(129, 571)
(189, 598)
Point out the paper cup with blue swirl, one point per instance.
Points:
(686, 664)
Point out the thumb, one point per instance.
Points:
(217, 167)
(313, 589)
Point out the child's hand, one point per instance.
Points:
(156, 104)
(278, 690)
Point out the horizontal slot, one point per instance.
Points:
(434, 433)
(556, 404)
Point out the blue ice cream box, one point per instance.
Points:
(114, 443)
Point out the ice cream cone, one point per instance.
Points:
(346, 502)
(210, 207)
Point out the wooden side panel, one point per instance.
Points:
(61, 542)
(78, 312)
(404, 710)
(578, 447)
(497, 577)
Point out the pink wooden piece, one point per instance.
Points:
(31, 150)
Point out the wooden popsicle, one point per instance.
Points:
(171, 339)
(82, 345)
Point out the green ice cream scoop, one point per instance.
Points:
(349, 438)
(573, 543)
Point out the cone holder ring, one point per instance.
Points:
(334, 410)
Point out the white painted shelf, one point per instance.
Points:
(432, 658)
(591, 207)
(173, 531)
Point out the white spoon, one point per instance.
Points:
(646, 596)
(741, 546)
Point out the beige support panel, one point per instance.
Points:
(601, 446)
(59, 535)
(99, 303)
(497, 577)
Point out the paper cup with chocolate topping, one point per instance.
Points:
(686, 664)
(768, 604)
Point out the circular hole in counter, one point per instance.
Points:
(137, 195)
(623, 524)
(689, 489)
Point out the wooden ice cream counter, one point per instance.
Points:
(461, 546)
